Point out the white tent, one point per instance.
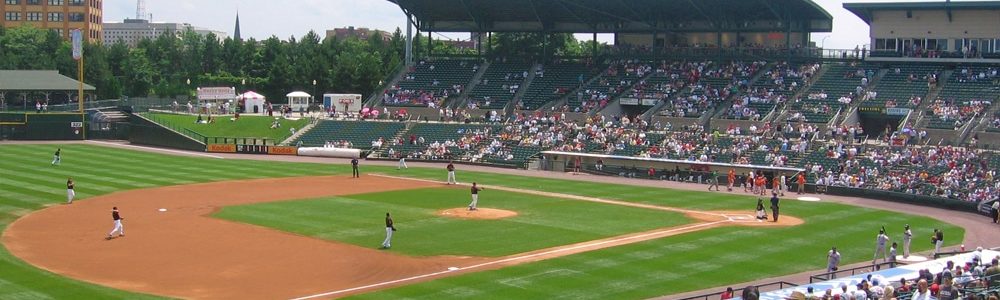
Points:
(253, 102)
(298, 101)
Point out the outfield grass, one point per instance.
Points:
(665, 266)
(247, 126)
(549, 222)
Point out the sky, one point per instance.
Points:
(261, 19)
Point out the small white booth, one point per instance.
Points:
(298, 101)
(211, 99)
(253, 103)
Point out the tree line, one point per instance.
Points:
(174, 65)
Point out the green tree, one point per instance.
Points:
(139, 79)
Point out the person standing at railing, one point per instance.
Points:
(832, 262)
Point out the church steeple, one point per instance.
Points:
(236, 33)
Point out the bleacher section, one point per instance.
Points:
(554, 81)
(904, 86)
(968, 92)
(831, 92)
(777, 85)
(499, 84)
(441, 133)
(617, 78)
(431, 81)
(359, 134)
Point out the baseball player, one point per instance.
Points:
(907, 237)
(451, 173)
(57, 159)
(880, 241)
(714, 181)
(832, 261)
(774, 206)
(70, 194)
(475, 196)
(354, 168)
(389, 228)
(802, 182)
(761, 213)
(118, 223)
(402, 162)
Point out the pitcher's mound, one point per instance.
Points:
(479, 214)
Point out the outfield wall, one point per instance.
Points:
(146, 132)
(44, 126)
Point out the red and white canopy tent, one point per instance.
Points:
(253, 102)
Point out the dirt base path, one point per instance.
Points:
(183, 253)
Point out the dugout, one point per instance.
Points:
(559, 161)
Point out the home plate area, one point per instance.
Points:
(740, 218)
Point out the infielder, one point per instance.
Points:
(880, 241)
(475, 196)
(118, 223)
(70, 194)
(402, 162)
(57, 159)
(451, 173)
(907, 237)
(389, 228)
(832, 261)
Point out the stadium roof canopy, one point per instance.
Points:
(40, 81)
(616, 16)
(864, 10)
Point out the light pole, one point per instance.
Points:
(314, 91)
(822, 43)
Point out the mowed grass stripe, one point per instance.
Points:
(686, 262)
(549, 222)
(130, 166)
(57, 177)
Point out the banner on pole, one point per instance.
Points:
(77, 37)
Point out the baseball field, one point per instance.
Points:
(233, 228)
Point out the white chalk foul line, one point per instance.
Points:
(516, 258)
(157, 149)
(575, 197)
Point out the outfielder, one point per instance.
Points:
(389, 228)
(451, 173)
(57, 159)
(475, 196)
(118, 223)
(70, 194)
(907, 237)
(880, 242)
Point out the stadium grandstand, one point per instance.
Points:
(709, 81)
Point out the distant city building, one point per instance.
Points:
(60, 16)
(359, 33)
(133, 30)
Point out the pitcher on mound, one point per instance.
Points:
(475, 196)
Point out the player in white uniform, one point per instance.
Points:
(832, 261)
(70, 194)
(118, 224)
(880, 241)
(402, 162)
(907, 237)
